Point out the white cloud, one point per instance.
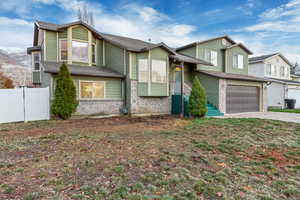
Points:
(20, 7)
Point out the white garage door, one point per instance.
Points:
(294, 93)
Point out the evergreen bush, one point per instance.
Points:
(197, 102)
(64, 103)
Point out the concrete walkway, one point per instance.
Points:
(286, 117)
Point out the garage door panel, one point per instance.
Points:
(242, 99)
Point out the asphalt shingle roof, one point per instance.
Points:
(260, 58)
(53, 67)
(233, 76)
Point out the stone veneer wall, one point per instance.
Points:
(99, 107)
(148, 105)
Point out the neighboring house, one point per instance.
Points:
(227, 82)
(276, 68)
(112, 74)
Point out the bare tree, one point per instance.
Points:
(85, 15)
(295, 69)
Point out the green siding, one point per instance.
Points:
(113, 86)
(191, 51)
(215, 45)
(114, 57)
(99, 52)
(63, 34)
(133, 66)
(211, 86)
(51, 46)
(159, 89)
(93, 39)
(230, 53)
(36, 78)
(188, 74)
(80, 33)
(142, 89)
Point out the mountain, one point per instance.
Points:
(16, 66)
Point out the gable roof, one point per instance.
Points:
(240, 45)
(208, 40)
(265, 57)
(127, 43)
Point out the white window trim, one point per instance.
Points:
(210, 56)
(237, 64)
(83, 41)
(32, 61)
(59, 52)
(152, 71)
(91, 99)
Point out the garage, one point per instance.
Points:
(242, 99)
(294, 93)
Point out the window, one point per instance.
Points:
(273, 70)
(63, 50)
(92, 90)
(282, 71)
(211, 56)
(36, 59)
(80, 51)
(268, 71)
(159, 71)
(238, 61)
(286, 72)
(143, 70)
(93, 53)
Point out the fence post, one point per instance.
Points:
(24, 104)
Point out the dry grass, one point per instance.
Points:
(150, 158)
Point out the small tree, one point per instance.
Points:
(5, 82)
(197, 102)
(64, 103)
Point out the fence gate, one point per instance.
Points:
(24, 104)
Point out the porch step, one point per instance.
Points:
(212, 111)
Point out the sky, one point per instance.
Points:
(264, 26)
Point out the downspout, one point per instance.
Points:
(182, 89)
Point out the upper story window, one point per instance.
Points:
(80, 51)
(282, 71)
(211, 56)
(143, 70)
(238, 61)
(271, 70)
(92, 89)
(63, 50)
(159, 71)
(94, 53)
(36, 61)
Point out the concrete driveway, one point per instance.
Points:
(286, 117)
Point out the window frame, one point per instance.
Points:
(208, 56)
(89, 81)
(81, 41)
(33, 61)
(95, 52)
(165, 77)
(61, 39)
(148, 70)
(269, 71)
(236, 63)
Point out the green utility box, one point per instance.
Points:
(176, 105)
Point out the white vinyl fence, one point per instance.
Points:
(24, 104)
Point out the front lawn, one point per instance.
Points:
(284, 110)
(155, 158)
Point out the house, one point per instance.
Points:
(228, 85)
(112, 74)
(276, 68)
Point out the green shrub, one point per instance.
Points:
(64, 103)
(197, 101)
